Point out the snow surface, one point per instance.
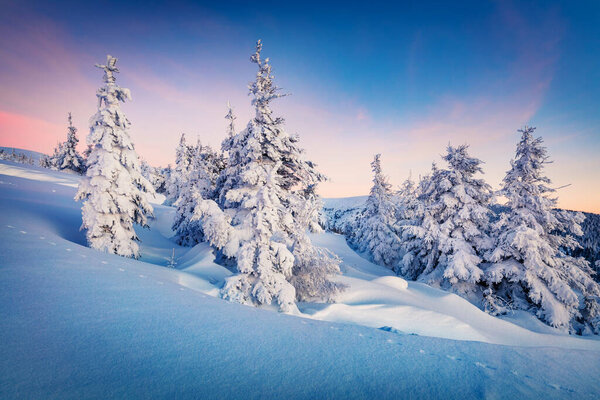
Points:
(78, 323)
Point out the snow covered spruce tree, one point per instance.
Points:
(179, 176)
(231, 170)
(529, 268)
(262, 222)
(445, 247)
(204, 169)
(66, 157)
(113, 190)
(374, 232)
(409, 209)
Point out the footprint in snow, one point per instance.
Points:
(42, 237)
(104, 262)
(68, 250)
(182, 289)
(361, 335)
(453, 358)
(52, 243)
(142, 276)
(23, 232)
(559, 387)
(482, 365)
(10, 226)
(422, 351)
(53, 191)
(121, 269)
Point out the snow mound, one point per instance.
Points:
(394, 282)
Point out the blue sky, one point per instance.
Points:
(402, 79)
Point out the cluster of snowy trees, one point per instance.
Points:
(65, 157)
(590, 242)
(16, 157)
(443, 231)
(255, 202)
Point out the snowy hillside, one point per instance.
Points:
(78, 323)
(35, 155)
(339, 214)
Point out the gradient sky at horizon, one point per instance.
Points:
(403, 80)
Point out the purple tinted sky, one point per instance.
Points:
(403, 79)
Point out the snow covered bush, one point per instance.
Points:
(45, 161)
(66, 157)
(528, 264)
(445, 246)
(374, 233)
(262, 215)
(113, 190)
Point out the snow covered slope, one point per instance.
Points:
(75, 323)
(36, 155)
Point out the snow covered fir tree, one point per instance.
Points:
(113, 191)
(445, 247)
(200, 184)
(66, 157)
(375, 233)
(529, 266)
(180, 174)
(261, 220)
(232, 148)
